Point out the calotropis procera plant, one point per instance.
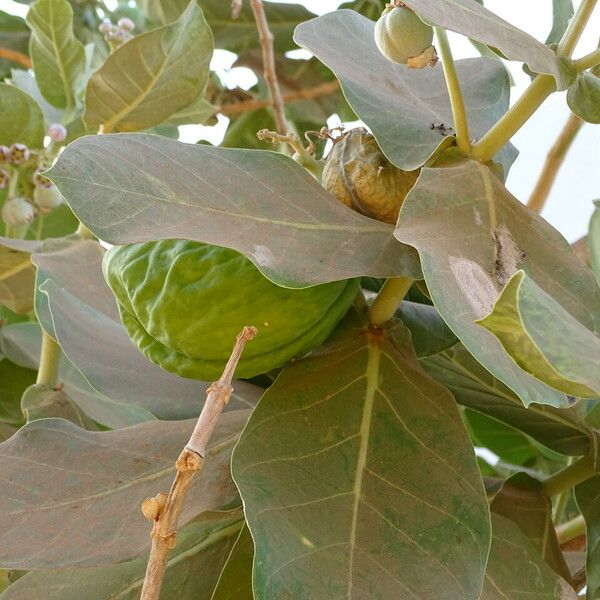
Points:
(417, 415)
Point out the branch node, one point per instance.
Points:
(189, 460)
(153, 507)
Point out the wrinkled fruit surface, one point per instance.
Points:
(183, 303)
(358, 174)
(400, 35)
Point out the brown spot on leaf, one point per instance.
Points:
(508, 255)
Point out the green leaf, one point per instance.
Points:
(162, 11)
(498, 236)
(197, 112)
(583, 97)
(402, 106)
(88, 485)
(478, 23)
(517, 571)
(21, 119)
(235, 581)
(17, 278)
(240, 34)
(594, 240)
(544, 339)
(42, 401)
(587, 495)
(192, 569)
(562, 11)
(509, 444)
(58, 56)
(22, 345)
(363, 484)
(80, 312)
(430, 335)
(521, 500)
(57, 223)
(15, 380)
(152, 76)
(273, 221)
(561, 430)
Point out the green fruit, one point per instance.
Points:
(183, 303)
(400, 35)
(358, 174)
(583, 97)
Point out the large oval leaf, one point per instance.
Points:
(138, 187)
(408, 111)
(465, 273)
(60, 482)
(152, 76)
(364, 483)
(58, 56)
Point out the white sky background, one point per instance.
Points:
(570, 204)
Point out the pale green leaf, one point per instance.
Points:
(223, 197)
(26, 82)
(15, 380)
(58, 56)
(162, 11)
(594, 240)
(21, 119)
(192, 569)
(196, 113)
(544, 339)
(587, 495)
(472, 236)
(473, 20)
(403, 107)
(41, 401)
(152, 76)
(86, 487)
(363, 483)
(562, 11)
(516, 571)
(561, 430)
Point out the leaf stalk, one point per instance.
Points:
(570, 476)
(389, 298)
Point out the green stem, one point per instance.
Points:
(588, 61)
(13, 184)
(49, 361)
(575, 29)
(533, 97)
(84, 233)
(459, 112)
(570, 530)
(569, 477)
(388, 299)
(16, 232)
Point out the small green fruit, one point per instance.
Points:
(183, 303)
(358, 174)
(401, 36)
(47, 197)
(17, 211)
(583, 97)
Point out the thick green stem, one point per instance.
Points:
(570, 530)
(576, 27)
(570, 476)
(533, 97)
(388, 299)
(459, 112)
(588, 61)
(49, 361)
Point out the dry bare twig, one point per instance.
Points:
(17, 57)
(163, 509)
(236, 8)
(266, 42)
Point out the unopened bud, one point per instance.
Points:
(4, 178)
(126, 24)
(18, 153)
(17, 211)
(57, 132)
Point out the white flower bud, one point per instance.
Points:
(18, 153)
(17, 211)
(57, 132)
(126, 24)
(47, 198)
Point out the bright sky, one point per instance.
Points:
(570, 204)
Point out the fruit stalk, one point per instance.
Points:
(389, 298)
(164, 510)
(459, 112)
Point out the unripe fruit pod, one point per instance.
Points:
(401, 36)
(182, 303)
(358, 174)
(46, 197)
(17, 211)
